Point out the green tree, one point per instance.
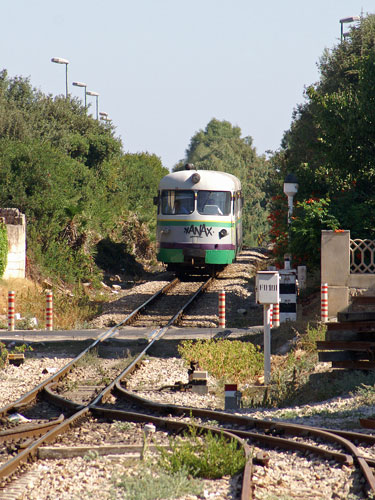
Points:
(68, 173)
(220, 147)
(331, 143)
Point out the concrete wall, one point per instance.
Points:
(16, 229)
(335, 271)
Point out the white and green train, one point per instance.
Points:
(199, 219)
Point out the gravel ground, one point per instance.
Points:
(236, 280)
(289, 474)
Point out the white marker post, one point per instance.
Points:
(267, 293)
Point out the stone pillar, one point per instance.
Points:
(16, 230)
(335, 269)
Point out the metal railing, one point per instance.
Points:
(362, 256)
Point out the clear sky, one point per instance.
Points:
(165, 68)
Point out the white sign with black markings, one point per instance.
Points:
(267, 287)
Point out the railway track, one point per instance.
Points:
(31, 404)
(66, 409)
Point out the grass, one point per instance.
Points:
(294, 380)
(72, 308)
(235, 360)
(209, 456)
(152, 483)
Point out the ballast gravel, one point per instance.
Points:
(289, 475)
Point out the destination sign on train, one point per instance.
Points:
(267, 287)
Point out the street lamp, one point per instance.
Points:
(80, 84)
(60, 60)
(105, 119)
(290, 189)
(347, 20)
(95, 94)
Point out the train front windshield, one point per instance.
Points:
(214, 202)
(178, 202)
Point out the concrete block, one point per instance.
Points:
(338, 299)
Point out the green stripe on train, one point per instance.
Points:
(176, 256)
(194, 223)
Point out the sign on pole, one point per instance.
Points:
(267, 293)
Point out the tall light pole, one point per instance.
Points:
(347, 20)
(95, 94)
(104, 117)
(84, 85)
(290, 189)
(60, 60)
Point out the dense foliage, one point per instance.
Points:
(220, 147)
(68, 173)
(330, 147)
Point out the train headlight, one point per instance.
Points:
(165, 230)
(223, 233)
(195, 178)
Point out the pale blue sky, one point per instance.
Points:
(165, 68)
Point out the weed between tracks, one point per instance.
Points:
(180, 469)
(203, 455)
(149, 482)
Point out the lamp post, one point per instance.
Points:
(60, 60)
(105, 119)
(104, 116)
(95, 94)
(84, 85)
(347, 20)
(290, 189)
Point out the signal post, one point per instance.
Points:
(267, 293)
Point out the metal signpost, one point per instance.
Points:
(267, 293)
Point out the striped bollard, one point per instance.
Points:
(49, 310)
(271, 315)
(11, 295)
(232, 399)
(276, 315)
(222, 309)
(324, 303)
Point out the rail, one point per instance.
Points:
(50, 431)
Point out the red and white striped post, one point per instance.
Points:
(276, 315)
(232, 397)
(271, 315)
(49, 310)
(324, 303)
(11, 321)
(222, 309)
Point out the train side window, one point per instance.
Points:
(214, 202)
(177, 202)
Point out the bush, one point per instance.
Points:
(310, 218)
(235, 360)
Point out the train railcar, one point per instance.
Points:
(199, 219)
